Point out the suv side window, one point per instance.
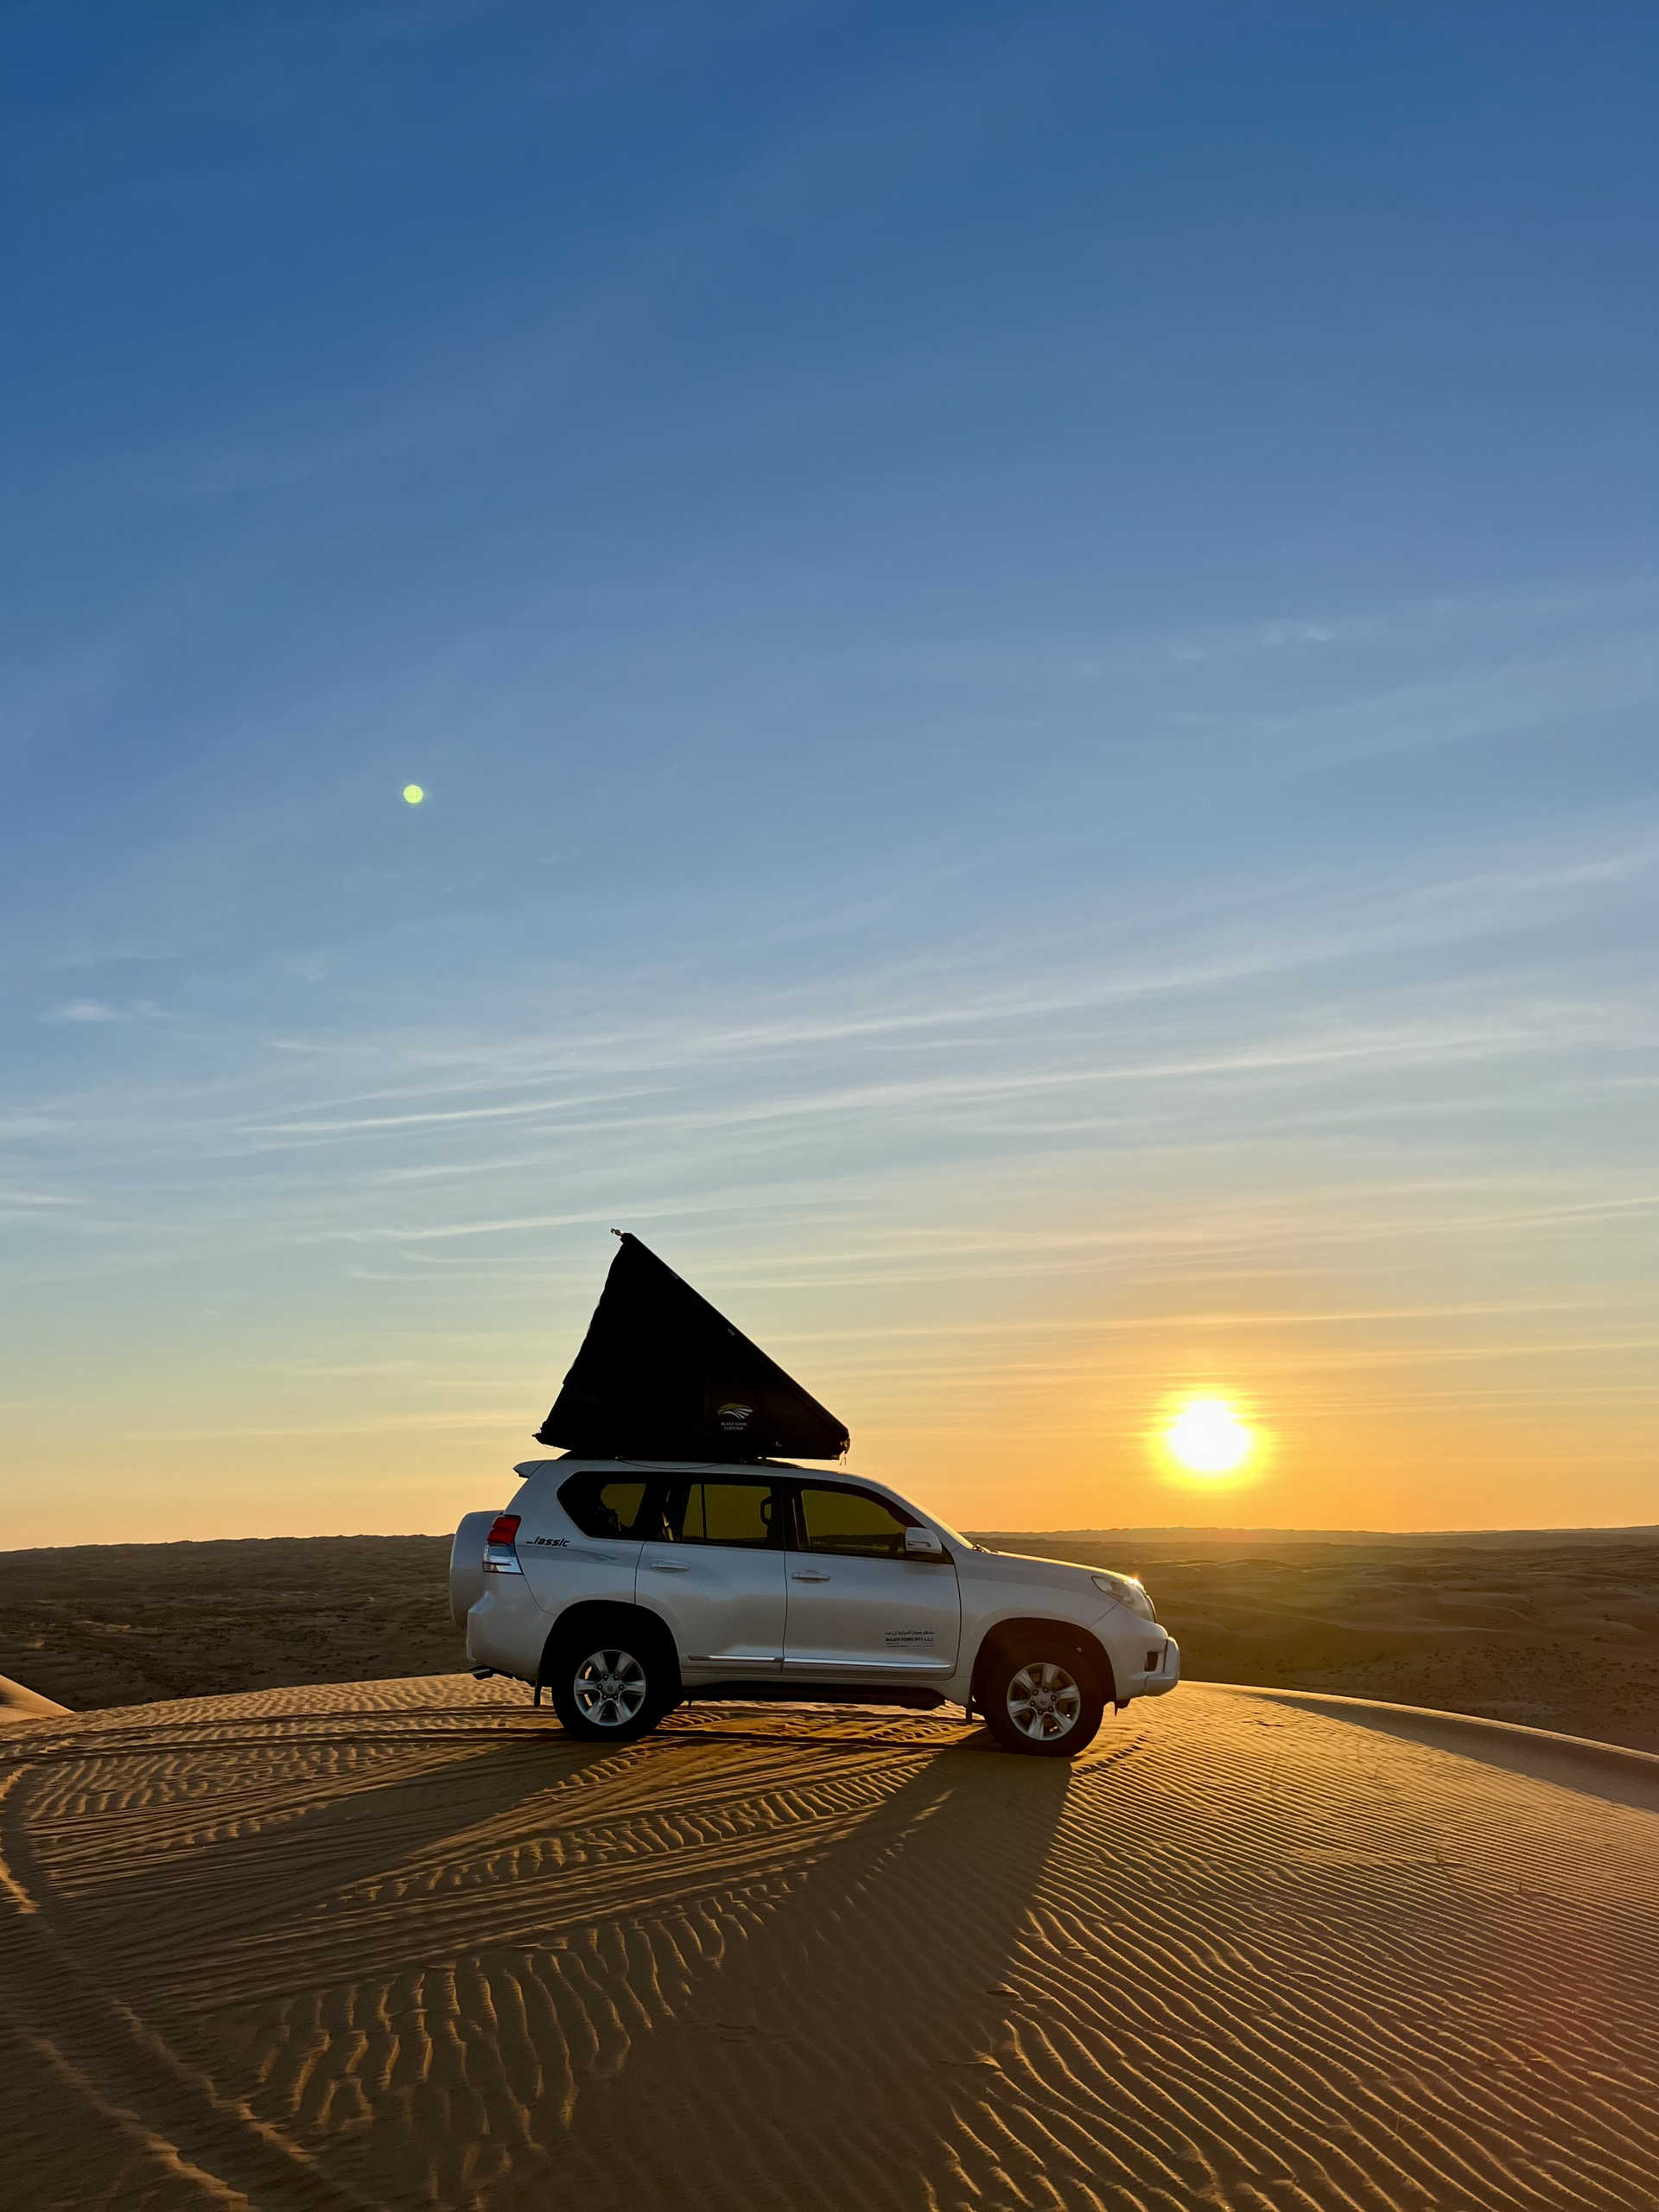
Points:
(853, 1522)
(604, 1505)
(721, 1511)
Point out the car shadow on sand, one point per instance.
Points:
(267, 1850)
(847, 2044)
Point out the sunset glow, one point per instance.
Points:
(1087, 877)
(1208, 1438)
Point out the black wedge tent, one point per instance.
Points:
(662, 1376)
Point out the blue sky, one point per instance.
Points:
(1032, 636)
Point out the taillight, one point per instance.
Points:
(500, 1557)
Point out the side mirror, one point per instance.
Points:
(922, 1543)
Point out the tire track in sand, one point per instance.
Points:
(198, 2142)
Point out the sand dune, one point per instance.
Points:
(17, 1703)
(403, 1944)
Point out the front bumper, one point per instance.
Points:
(1145, 1659)
(1159, 1671)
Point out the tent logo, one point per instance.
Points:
(734, 1418)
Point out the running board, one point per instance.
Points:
(792, 1691)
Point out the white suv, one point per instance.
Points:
(627, 1588)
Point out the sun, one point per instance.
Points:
(1208, 1437)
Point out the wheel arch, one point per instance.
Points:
(600, 1617)
(1081, 1643)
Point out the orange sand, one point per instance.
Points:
(403, 1944)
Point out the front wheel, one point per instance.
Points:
(1044, 1702)
(612, 1691)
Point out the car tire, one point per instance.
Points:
(610, 1683)
(1044, 1699)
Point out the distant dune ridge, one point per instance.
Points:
(1556, 1629)
(403, 1944)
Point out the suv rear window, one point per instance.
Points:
(721, 1511)
(605, 1506)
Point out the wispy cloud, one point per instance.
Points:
(438, 1116)
(102, 1010)
(479, 1422)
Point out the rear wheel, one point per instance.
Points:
(1043, 1700)
(611, 1688)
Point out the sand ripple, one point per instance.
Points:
(404, 1944)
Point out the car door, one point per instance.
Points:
(857, 1603)
(713, 1568)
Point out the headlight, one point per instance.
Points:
(1127, 1591)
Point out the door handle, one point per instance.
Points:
(809, 1578)
(666, 1566)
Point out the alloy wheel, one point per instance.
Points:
(609, 1688)
(1044, 1702)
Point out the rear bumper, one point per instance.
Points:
(506, 1629)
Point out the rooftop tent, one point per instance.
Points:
(662, 1376)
